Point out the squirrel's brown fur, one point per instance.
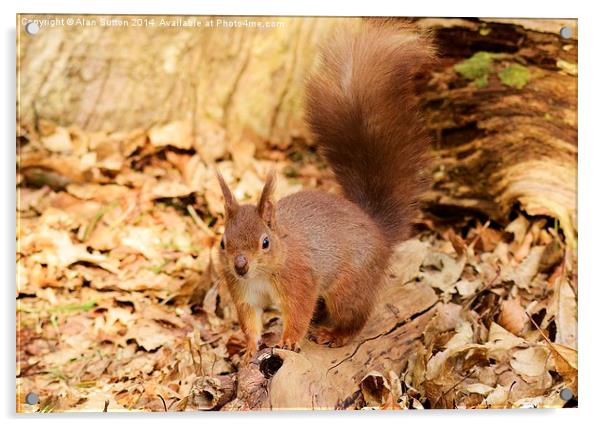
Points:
(328, 248)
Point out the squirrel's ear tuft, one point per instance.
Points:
(265, 208)
(229, 201)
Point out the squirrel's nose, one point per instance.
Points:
(241, 265)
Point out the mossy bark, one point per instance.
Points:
(502, 106)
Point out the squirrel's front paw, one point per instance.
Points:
(249, 353)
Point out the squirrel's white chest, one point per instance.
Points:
(259, 292)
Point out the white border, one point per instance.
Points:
(590, 179)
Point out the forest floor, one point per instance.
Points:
(119, 306)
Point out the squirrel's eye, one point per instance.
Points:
(222, 244)
(266, 243)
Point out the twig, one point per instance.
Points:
(455, 385)
(198, 366)
(198, 221)
(163, 400)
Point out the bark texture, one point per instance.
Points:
(223, 82)
(504, 120)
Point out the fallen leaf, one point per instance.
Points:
(193, 169)
(487, 239)
(149, 335)
(526, 271)
(467, 288)
(177, 134)
(375, 389)
(59, 141)
(406, 260)
(464, 335)
(442, 271)
(55, 248)
(99, 401)
(142, 240)
(169, 189)
(498, 398)
(513, 316)
(566, 314)
(500, 341)
(530, 361)
(518, 228)
(478, 388)
(565, 362)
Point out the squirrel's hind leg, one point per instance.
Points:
(348, 304)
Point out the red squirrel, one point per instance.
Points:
(314, 248)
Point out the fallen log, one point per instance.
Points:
(502, 107)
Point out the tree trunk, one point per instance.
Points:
(231, 82)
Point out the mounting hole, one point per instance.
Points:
(566, 32)
(566, 394)
(32, 28)
(32, 398)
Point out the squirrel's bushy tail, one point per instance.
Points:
(363, 112)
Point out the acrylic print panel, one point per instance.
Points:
(401, 283)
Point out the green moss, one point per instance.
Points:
(70, 308)
(290, 172)
(515, 75)
(481, 82)
(478, 66)
(484, 31)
